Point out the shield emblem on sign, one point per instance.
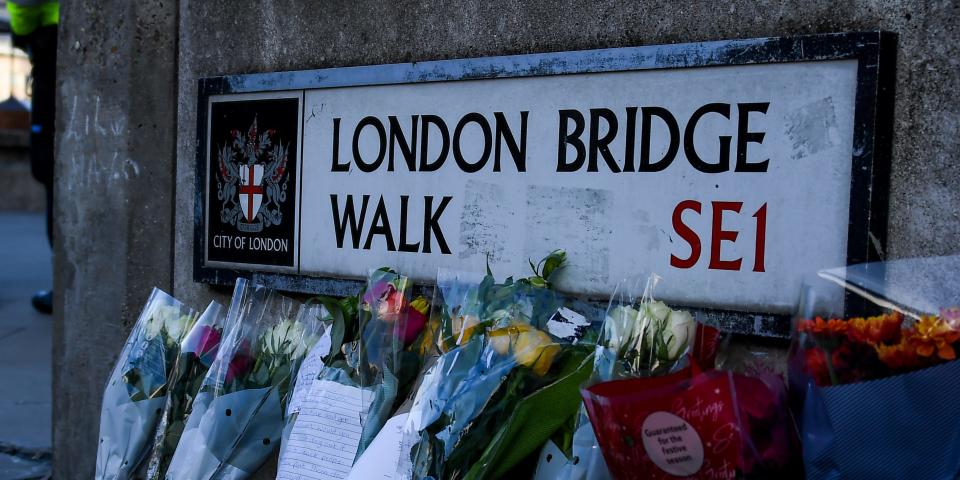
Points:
(251, 190)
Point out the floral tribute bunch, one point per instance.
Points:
(510, 357)
(197, 352)
(840, 351)
(640, 337)
(238, 414)
(874, 375)
(137, 388)
(362, 376)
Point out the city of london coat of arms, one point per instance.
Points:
(252, 180)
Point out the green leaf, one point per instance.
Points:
(337, 325)
(532, 421)
(552, 263)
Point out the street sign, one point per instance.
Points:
(731, 169)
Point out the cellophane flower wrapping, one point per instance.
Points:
(873, 370)
(640, 337)
(198, 349)
(361, 382)
(238, 415)
(137, 388)
(505, 381)
(334, 317)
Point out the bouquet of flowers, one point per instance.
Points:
(197, 352)
(879, 340)
(360, 382)
(137, 387)
(238, 416)
(640, 337)
(656, 414)
(336, 317)
(506, 381)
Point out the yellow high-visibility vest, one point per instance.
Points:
(26, 16)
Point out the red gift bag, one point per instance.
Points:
(709, 425)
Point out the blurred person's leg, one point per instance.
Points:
(43, 54)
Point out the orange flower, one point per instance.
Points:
(931, 334)
(899, 356)
(837, 326)
(817, 326)
(875, 330)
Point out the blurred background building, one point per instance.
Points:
(18, 190)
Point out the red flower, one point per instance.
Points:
(204, 343)
(240, 365)
(815, 365)
(415, 314)
(390, 305)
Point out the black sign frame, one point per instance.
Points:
(875, 53)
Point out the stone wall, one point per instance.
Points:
(101, 290)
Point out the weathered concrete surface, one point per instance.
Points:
(220, 37)
(114, 178)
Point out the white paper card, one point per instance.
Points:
(567, 324)
(308, 372)
(326, 434)
(380, 459)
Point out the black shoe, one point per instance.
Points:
(43, 301)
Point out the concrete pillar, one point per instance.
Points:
(116, 129)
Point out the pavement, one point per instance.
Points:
(25, 348)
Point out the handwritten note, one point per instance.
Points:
(380, 459)
(326, 435)
(308, 372)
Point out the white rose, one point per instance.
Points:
(683, 328)
(659, 310)
(302, 346)
(284, 338)
(175, 324)
(620, 326)
(154, 324)
(675, 327)
(653, 321)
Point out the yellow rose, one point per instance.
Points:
(464, 327)
(502, 339)
(530, 347)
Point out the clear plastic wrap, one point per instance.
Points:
(358, 388)
(879, 341)
(238, 416)
(640, 337)
(197, 352)
(137, 388)
(656, 414)
(504, 383)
